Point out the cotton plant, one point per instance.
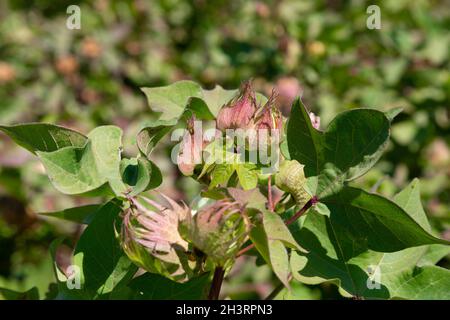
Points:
(276, 188)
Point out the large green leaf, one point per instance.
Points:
(99, 255)
(338, 256)
(78, 170)
(426, 283)
(305, 143)
(151, 286)
(44, 137)
(172, 100)
(207, 107)
(374, 221)
(351, 145)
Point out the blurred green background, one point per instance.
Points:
(321, 50)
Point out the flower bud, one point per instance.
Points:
(239, 111)
(151, 239)
(269, 117)
(219, 230)
(291, 178)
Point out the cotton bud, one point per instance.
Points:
(239, 112)
(219, 230)
(291, 178)
(150, 237)
(268, 124)
(269, 117)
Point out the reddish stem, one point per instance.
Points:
(216, 284)
(269, 193)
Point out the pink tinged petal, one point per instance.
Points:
(315, 120)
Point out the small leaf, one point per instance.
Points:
(221, 174)
(247, 175)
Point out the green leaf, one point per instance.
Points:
(426, 283)
(351, 145)
(247, 175)
(171, 100)
(151, 286)
(377, 221)
(151, 134)
(78, 170)
(271, 239)
(276, 229)
(139, 174)
(391, 114)
(214, 100)
(99, 255)
(298, 291)
(44, 137)
(6, 294)
(82, 214)
(103, 266)
(221, 174)
(305, 143)
(434, 254)
(338, 256)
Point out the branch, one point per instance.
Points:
(216, 284)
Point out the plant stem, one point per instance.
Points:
(305, 208)
(216, 284)
(289, 221)
(275, 291)
(269, 194)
